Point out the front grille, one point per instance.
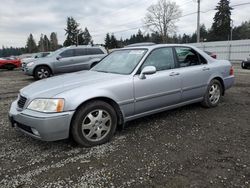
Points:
(21, 102)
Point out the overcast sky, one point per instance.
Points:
(18, 18)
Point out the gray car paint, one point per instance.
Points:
(67, 64)
(135, 97)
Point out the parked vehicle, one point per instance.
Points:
(212, 54)
(246, 63)
(25, 61)
(64, 60)
(127, 84)
(10, 63)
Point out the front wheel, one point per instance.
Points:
(243, 65)
(213, 94)
(42, 72)
(94, 124)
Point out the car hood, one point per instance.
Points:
(50, 87)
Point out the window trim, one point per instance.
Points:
(175, 60)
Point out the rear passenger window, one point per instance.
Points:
(94, 51)
(188, 57)
(161, 59)
(80, 52)
(67, 53)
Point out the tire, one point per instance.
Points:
(42, 72)
(242, 65)
(94, 123)
(10, 67)
(213, 94)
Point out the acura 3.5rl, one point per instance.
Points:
(129, 83)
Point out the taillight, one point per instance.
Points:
(231, 71)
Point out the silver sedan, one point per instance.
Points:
(127, 84)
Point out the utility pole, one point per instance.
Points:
(232, 25)
(198, 20)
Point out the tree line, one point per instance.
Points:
(220, 30)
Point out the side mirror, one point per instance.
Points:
(58, 57)
(36, 57)
(147, 71)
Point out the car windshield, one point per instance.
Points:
(120, 62)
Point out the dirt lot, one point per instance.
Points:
(187, 147)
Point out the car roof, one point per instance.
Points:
(150, 47)
(82, 46)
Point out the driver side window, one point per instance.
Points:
(161, 59)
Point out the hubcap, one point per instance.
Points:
(42, 73)
(96, 125)
(214, 93)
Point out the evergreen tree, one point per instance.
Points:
(156, 38)
(222, 21)
(72, 32)
(185, 38)
(87, 39)
(113, 42)
(31, 45)
(41, 44)
(46, 43)
(53, 41)
(139, 36)
(242, 31)
(107, 41)
(203, 33)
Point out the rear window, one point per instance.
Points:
(80, 52)
(94, 51)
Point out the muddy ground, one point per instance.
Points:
(186, 147)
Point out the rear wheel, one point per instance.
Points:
(42, 72)
(213, 94)
(94, 124)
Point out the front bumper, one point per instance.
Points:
(42, 126)
(27, 70)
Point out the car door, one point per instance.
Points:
(194, 72)
(81, 59)
(161, 89)
(66, 61)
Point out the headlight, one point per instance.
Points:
(47, 105)
(30, 64)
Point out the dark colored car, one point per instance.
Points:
(9, 64)
(211, 54)
(246, 63)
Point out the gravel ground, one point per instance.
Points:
(186, 147)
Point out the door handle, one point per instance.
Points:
(174, 74)
(205, 68)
